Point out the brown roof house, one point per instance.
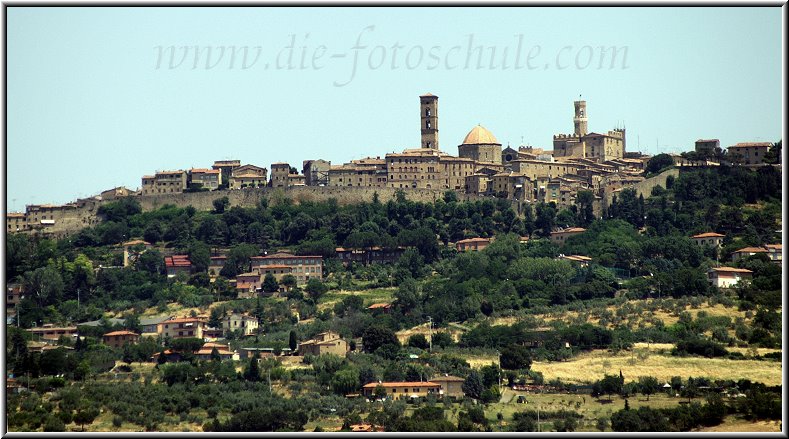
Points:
(451, 386)
(404, 389)
(472, 244)
(727, 277)
(324, 343)
(177, 264)
(117, 339)
(710, 239)
(560, 236)
(746, 252)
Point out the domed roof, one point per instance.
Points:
(480, 135)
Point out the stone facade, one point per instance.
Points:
(428, 112)
(749, 153)
(164, 182)
(583, 144)
(316, 172)
(279, 174)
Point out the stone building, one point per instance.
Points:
(248, 176)
(316, 172)
(405, 389)
(164, 182)
(235, 321)
(481, 146)
(279, 174)
(209, 179)
(560, 236)
(226, 167)
(366, 172)
(748, 153)
(15, 222)
(117, 339)
(324, 343)
(707, 146)
(303, 268)
(184, 327)
(589, 145)
(710, 239)
(428, 109)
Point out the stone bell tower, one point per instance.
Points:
(428, 109)
(580, 119)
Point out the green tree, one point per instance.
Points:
(315, 288)
(418, 341)
(473, 386)
(293, 341)
(515, 357)
(270, 284)
(220, 204)
(648, 385)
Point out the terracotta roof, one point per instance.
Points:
(402, 384)
(177, 261)
(116, 333)
(578, 258)
(379, 305)
(15, 215)
(751, 250)
(186, 320)
(447, 378)
(428, 95)
(570, 230)
(751, 144)
(731, 270)
(470, 240)
(480, 135)
(708, 235)
(284, 256)
(774, 246)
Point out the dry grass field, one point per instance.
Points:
(592, 366)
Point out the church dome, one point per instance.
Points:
(480, 135)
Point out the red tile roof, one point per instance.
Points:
(751, 250)
(117, 333)
(471, 240)
(177, 261)
(731, 270)
(402, 384)
(379, 305)
(708, 235)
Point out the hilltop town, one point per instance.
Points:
(578, 288)
(579, 161)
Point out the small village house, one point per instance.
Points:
(559, 237)
(404, 389)
(324, 343)
(727, 277)
(450, 386)
(710, 239)
(184, 327)
(117, 339)
(177, 264)
(472, 244)
(235, 321)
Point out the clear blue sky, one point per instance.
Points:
(89, 110)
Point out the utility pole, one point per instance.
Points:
(538, 418)
(430, 321)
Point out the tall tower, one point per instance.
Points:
(580, 120)
(428, 113)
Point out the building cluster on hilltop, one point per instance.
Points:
(579, 161)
